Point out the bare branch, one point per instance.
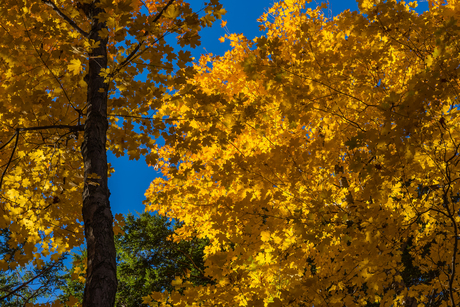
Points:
(65, 17)
(29, 281)
(71, 128)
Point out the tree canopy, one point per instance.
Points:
(321, 160)
(68, 73)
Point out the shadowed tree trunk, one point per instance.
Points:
(101, 281)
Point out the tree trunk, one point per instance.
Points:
(101, 278)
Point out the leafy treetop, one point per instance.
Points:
(68, 66)
(321, 160)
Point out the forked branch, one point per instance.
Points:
(12, 292)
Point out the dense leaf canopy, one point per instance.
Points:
(322, 160)
(68, 73)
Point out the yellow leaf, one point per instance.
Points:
(3, 265)
(135, 4)
(171, 12)
(265, 236)
(72, 301)
(117, 230)
(75, 66)
(177, 281)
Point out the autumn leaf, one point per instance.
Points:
(75, 66)
(172, 12)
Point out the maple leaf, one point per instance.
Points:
(172, 12)
(75, 66)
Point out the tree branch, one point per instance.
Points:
(11, 157)
(65, 17)
(71, 128)
(139, 45)
(9, 141)
(29, 281)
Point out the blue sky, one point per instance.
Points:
(132, 178)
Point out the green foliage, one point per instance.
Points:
(20, 285)
(147, 261)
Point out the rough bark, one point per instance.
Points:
(101, 280)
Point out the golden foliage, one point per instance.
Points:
(44, 68)
(312, 156)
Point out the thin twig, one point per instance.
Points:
(70, 127)
(162, 119)
(46, 65)
(16, 134)
(4, 145)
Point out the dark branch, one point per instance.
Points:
(162, 119)
(139, 45)
(71, 128)
(11, 157)
(28, 282)
(4, 145)
(61, 14)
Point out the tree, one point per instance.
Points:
(147, 261)
(68, 73)
(321, 160)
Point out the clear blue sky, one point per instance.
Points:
(132, 178)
